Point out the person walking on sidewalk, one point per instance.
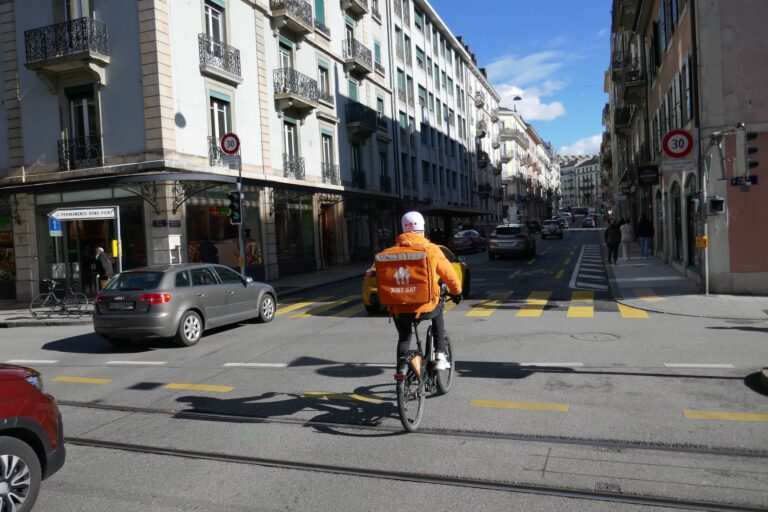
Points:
(612, 239)
(645, 234)
(627, 237)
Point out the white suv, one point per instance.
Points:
(552, 228)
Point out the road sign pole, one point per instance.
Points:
(119, 242)
(241, 228)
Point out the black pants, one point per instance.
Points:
(405, 331)
(613, 253)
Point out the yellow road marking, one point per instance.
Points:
(531, 261)
(647, 295)
(581, 312)
(628, 312)
(567, 261)
(199, 387)
(583, 296)
(727, 416)
(530, 406)
(299, 305)
(342, 396)
(560, 274)
(81, 380)
(324, 308)
(513, 274)
(351, 311)
(488, 307)
(534, 305)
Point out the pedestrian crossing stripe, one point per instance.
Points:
(582, 311)
(299, 305)
(489, 307)
(647, 295)
(629, 312)
(534, 305)
(325, 307)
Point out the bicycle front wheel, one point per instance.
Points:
(410, 401)
(76, 305)
(444, 378)
(41, 306)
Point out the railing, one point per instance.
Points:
(358, 178)
(401, 95)
(298, 8)
(293, 166)
(513, 133)
(381, 121)
(479, 98)
(68, 38)
(483, 159)
(288, 80)
(79, 153)
(354, 49)
(380, 68)
(320, 27)
(219, 55)
(622, 117)
(325, 96)
(330, 173)
(359, 113)
(386, 183)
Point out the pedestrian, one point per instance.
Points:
(645, 234)
(103, 267)
(612, 238)
(627, 238)
(208, 252)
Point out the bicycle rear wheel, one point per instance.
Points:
(76, 305)
(444, 378)
(41, 306)
(410, 401)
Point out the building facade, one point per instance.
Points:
(119, 104)
(696, 67)
(581, 181)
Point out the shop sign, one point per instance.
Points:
(648, 175)
(174, 223)
(54, 227)
(109, 212)
(159, 223)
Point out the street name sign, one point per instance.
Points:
(104, 212)
(677, 164)
(743, 180)
(677, 143)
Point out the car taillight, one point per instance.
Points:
(370, 273)
(155, 298)
(98, 299)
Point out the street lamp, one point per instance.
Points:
(516, 98)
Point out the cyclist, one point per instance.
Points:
(413, 235)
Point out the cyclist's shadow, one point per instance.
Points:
(339, 413)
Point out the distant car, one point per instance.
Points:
(370, 286)
(552, 228)
(511, 240)
(467, 241)
(179, 301)
(588, 222)
(534, 226)
(563, 222)
(31, 437)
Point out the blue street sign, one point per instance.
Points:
(54, 227)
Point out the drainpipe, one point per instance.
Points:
(697, 126)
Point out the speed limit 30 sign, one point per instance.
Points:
(230, 143)
(677, 143)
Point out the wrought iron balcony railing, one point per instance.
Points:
(479, 98)
(359, 113)
(298, 8)
(482, 159)
(79, 153)
(293, 166)
(358, 178)
(218, 55)
(330, 173)
(325, 96)
(381, 121)
(354, 49)
(288, 80)
(322, 28)
(386, 183)
(83, 35)
(380, 68)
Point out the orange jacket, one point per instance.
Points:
(441, 269)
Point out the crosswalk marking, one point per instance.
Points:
(534, 305)
(324, 308)
(647, 295)
(489, 307)
(282, 310)
(629, 312)
(582, 311)
(530, 406)
(725, 416)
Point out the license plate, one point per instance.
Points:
(121, 306)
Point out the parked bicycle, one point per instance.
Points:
(421, 377)
(74, 304)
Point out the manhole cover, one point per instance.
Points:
(595, 336)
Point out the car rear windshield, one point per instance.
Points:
(507, 231)
(135, 281)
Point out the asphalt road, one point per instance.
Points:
(563, 400)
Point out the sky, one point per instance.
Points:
(551, 53)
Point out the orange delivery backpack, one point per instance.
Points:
(404, 276)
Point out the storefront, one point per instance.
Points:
(294, 231)
(7, 253)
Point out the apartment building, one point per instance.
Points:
(120, 104)
(581, 181)
(696, 67)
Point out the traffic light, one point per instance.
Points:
(751, 150)
(235, 207)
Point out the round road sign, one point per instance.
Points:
(677, 143)
(230, 143)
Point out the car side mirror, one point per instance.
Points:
(248, 280)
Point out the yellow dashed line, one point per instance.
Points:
(488, 307)
(324, 308)
(199, 387)
(327, 395)
(530, 262)
(534, 305)
(628, 312)
(81, 380)
(647, 295)
(726, 416)
(530, 406)
(560, 274)
(567, 261)
(299, 305)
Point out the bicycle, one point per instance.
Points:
(74, 304)
(421, 377)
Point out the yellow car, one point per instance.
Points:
(371, 297)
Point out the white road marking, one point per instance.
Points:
(591, 286)
(558, 365)
(256, 365)
(137, 363)
(31, 361)
(572, 284)
(698, 365)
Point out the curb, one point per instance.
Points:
(31, 322)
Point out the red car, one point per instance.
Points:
(31, 437)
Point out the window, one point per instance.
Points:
(326, 142)
(377, 52)
(449, 57)
(424, 134)
(437, 73)
(438, 113)
(429, 67)
(352, 90)
(443, 81)
(203, 277)
(214, 21)
(182, 279)
(220, 116)
(418, 19)
(450, 86)
(286, 55)
(420, 57)
(228, 276)
(323, 79)
(434, 41)
(401, 81)
(320, 11)
(431, 102)
(422, 96)
(409, 83)
(290, 139)
(425, 171)
(380, 105)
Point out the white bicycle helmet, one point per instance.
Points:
(412, 221)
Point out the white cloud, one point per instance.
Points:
(526, 70)
(585, 146)
(531, 105)
(603, 32)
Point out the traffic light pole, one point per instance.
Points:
(240, 228)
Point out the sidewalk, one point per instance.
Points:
(654, 286)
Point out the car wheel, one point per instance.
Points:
(465, 286)
(190, 329)
(372, 309)
(267, 309)
(20, 474)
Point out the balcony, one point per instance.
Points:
(381, 122)
(357, 58)
(513, 134)
(294, 92)
(361, 121)
(631, 80)
(380, 69)
(479, 99)
(79, 153)
(483, 159)
(321, 28)
(484, 189)
(80, 44)
(326, 97)
(506, 157)
(219, 60)
(495, 144)
(294, 16)
(386, 183)
(496, 167)
(482, 129)
(622, 118)
(293, 166)
(494, 116)
(358, 178)
(356, 8)
(330, 173)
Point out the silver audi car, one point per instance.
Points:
(179, 301)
